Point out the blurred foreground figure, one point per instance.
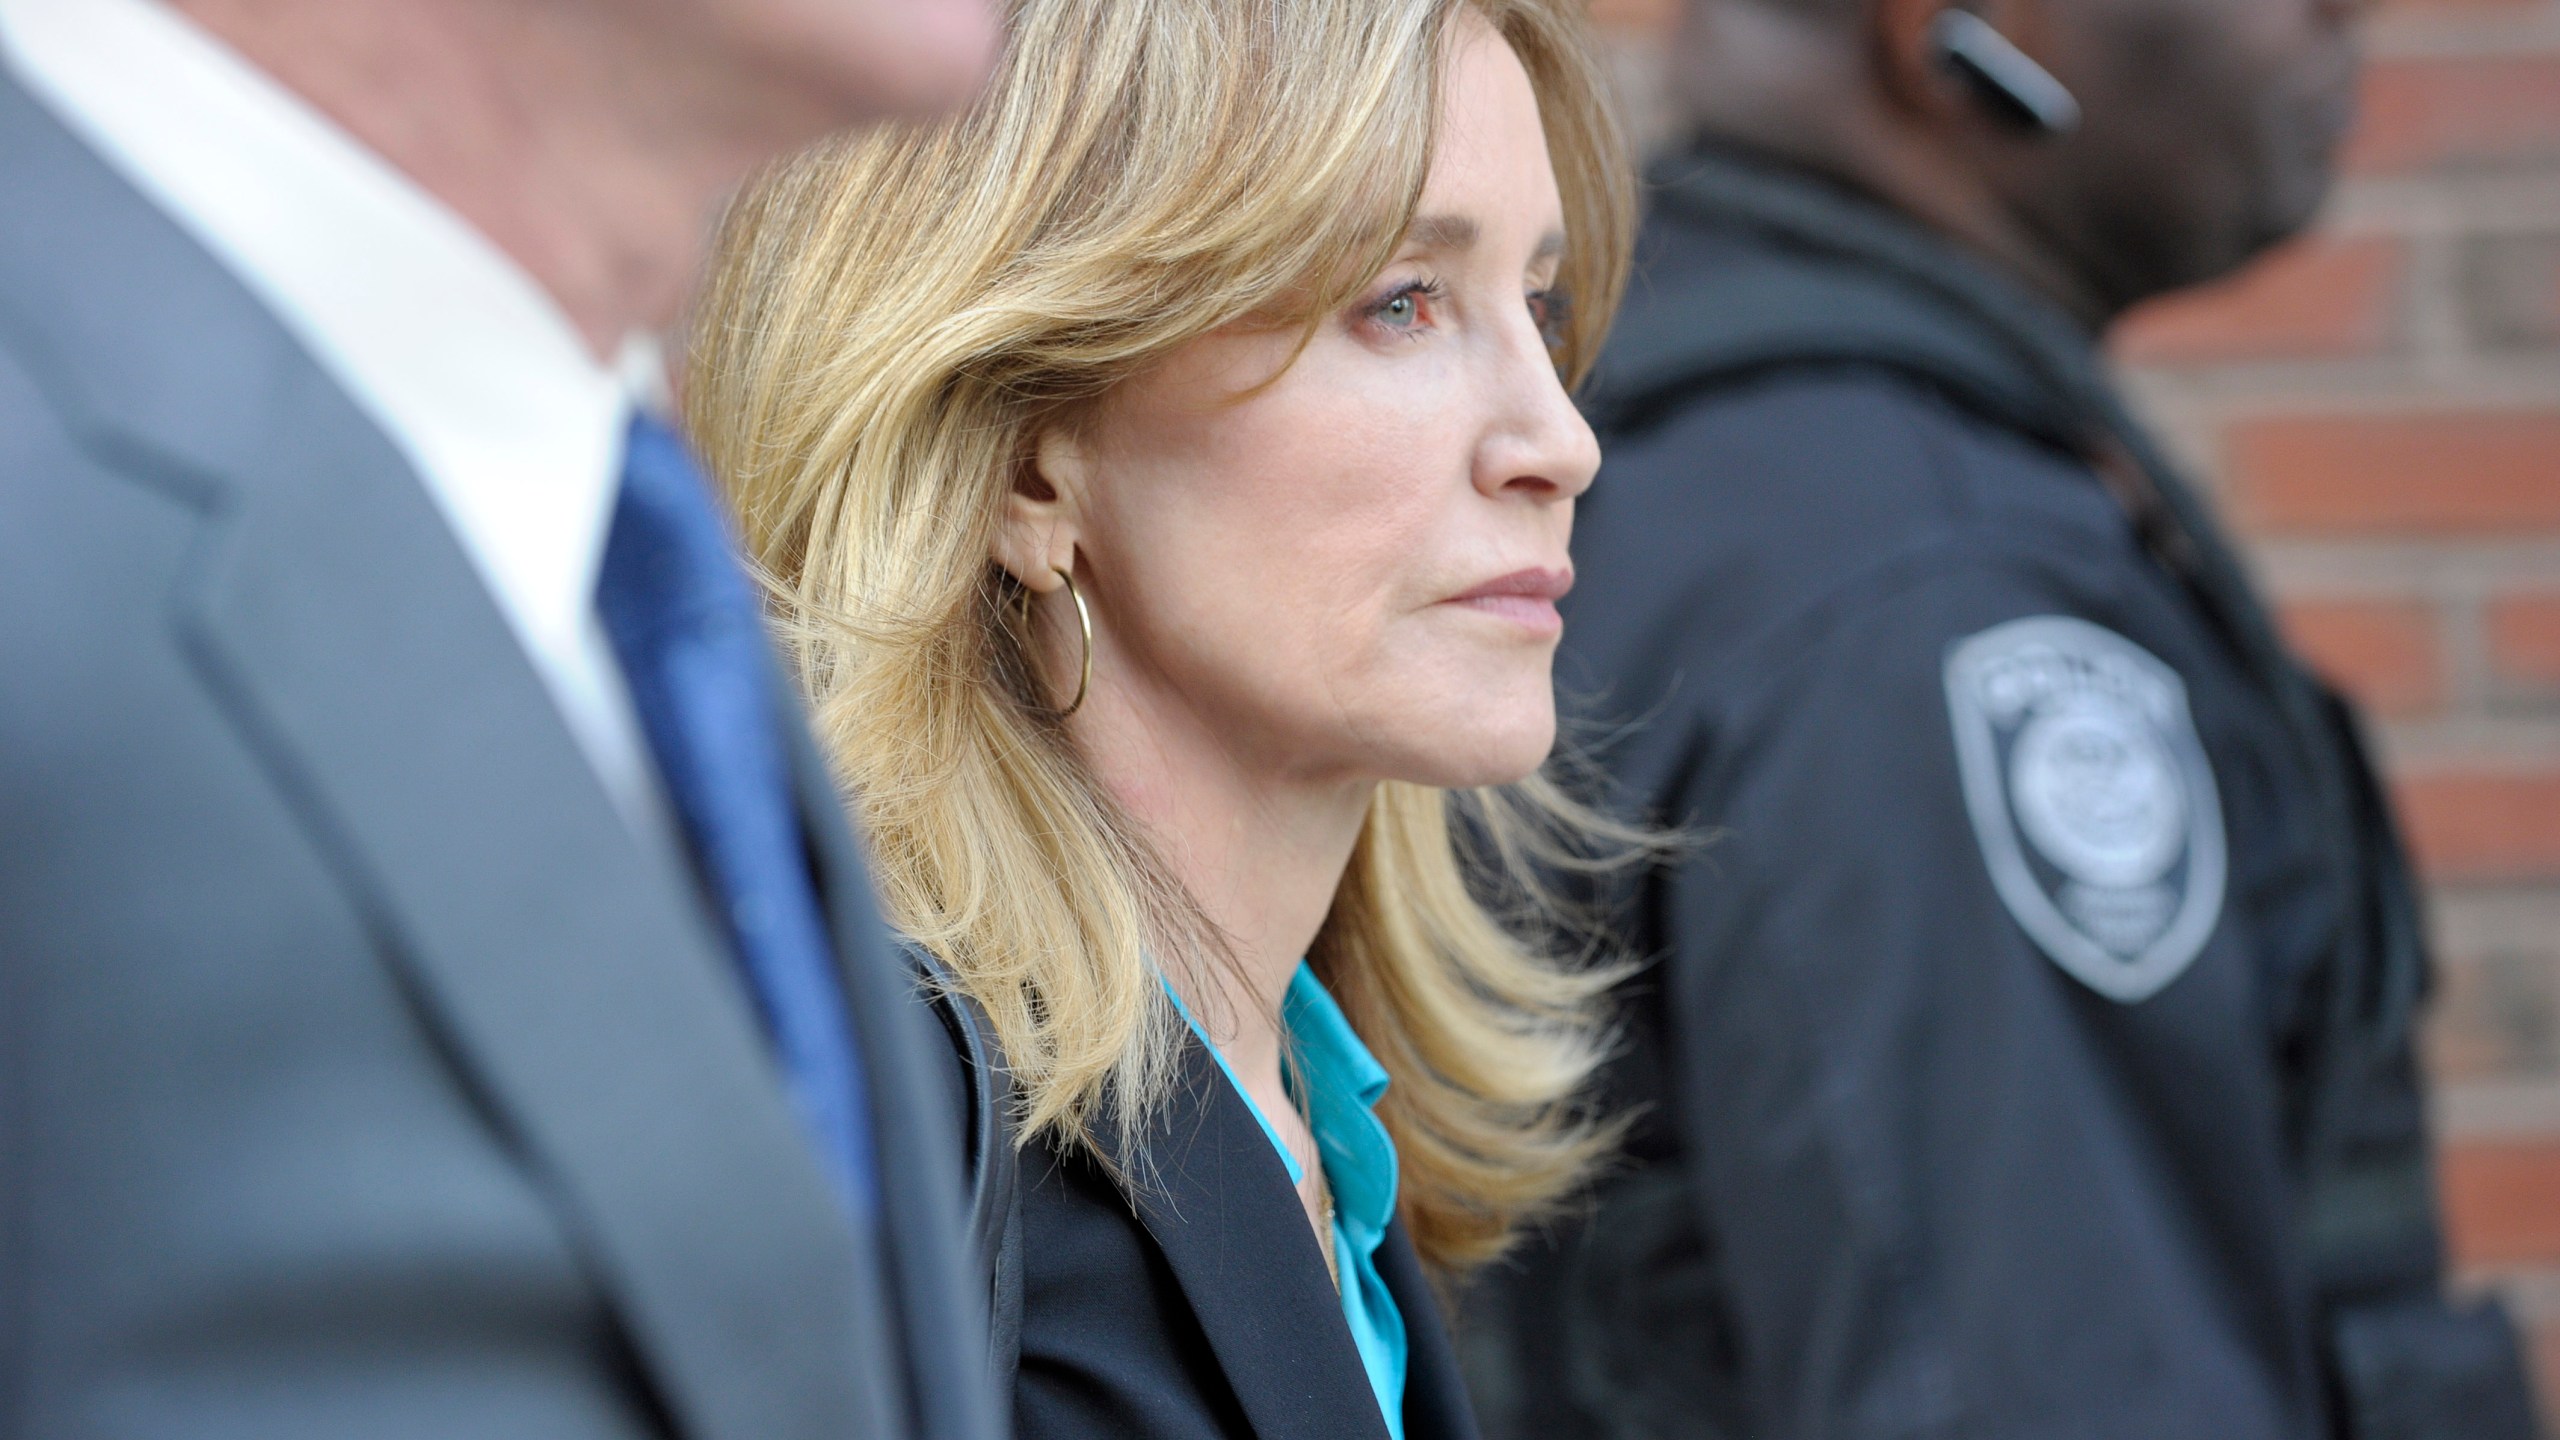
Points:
(2031, 1053)
(437, 993)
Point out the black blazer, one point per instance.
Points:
(1195, 1303)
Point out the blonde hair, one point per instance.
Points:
(894, 318)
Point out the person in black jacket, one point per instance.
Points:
(2030, 1050)
(1225, 349)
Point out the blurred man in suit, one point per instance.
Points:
(437, 993)
(2031, 1052)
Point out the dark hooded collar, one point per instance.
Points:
(1751, 264)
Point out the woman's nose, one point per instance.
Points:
(1539, 444)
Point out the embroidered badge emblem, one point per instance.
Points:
(2092, 799)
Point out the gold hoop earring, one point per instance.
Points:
(1084, 621)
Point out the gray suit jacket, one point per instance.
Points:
(360, 1073)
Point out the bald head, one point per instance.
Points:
(2208, 129)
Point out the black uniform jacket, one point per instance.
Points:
(1970, 1077)
(1201, 1308)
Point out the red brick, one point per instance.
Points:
(2383, 652)
(2319, 299)
(2457, 113)
(2429, 472)
(2483, 824)
(2524, 637)
(2502, 1201)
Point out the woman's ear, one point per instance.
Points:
(1044, 512)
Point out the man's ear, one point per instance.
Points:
(1044, 513)
(1908, 59)
(1913, 54)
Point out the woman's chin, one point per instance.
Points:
(1479, 748)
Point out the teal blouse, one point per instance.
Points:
(1342, 1083)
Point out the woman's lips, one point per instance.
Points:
(1526, 598)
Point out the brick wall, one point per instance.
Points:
(2378, 407)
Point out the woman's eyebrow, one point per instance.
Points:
(1442, 232)
(1448, 233)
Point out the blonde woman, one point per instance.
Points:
(1168, 468)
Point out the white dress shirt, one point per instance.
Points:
(466, 363)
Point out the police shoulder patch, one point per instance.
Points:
(2092, 799)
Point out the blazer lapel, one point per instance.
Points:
(1217, 1201)
(571, 973)
(1435, 1392)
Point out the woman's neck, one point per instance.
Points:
(1259, 851)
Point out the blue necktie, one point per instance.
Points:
(685, 624)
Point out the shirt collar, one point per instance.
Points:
(471, 369)
(1344, 1083)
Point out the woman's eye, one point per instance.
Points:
(1551, 310)
(1405, 309)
